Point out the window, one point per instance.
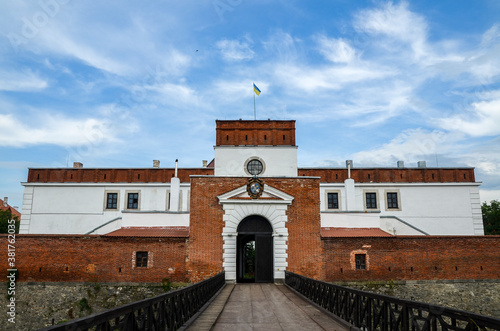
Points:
(333, 201)
(133, 201)
(392, 200)
(141, 259)
(255, 167)
(360, 261)
(371, 200)
(112, 201)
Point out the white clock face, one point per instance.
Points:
(255, 167)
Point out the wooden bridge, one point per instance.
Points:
(300, 304)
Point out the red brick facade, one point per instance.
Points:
(205, 243)
(413, 258)
(251, 133)
(78, 258)
(164, 175)
(392, 175)
(89, 175)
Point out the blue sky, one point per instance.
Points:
(120, 83)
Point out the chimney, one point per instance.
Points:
(401, 164)
(421, 164)
(5, 201)
(348, 164)
(77, 165)
(156, 163)
(176, 161)
(205, 163)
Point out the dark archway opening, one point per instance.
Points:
(254, 258)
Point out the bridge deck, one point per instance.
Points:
(262, 307)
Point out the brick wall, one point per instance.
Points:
(262, 133)
(205, 243)
(59, 258)
(413, 258)
(82, 175)
(392, 175)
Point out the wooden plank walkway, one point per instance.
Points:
(262, 307)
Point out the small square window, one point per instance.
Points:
(333, 201)
(392, 200)
(360, 261)
(112, 201)
(133, 201)
(371, 200)
(141, 259)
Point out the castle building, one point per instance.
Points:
(253, 193)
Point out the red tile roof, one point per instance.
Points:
(353, 232)
(13, 211)
(171, 232)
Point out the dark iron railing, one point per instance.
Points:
(167, 311)
(370, 311)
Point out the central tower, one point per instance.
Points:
(255, 148)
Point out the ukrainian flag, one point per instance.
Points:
(256, 89)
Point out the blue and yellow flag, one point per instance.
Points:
(256, 89)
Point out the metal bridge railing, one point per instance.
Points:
(370, 311)
(167, 311)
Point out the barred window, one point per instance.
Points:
(112, 201)
(255, 167)
(392, 200)
(371, 200)
(141, 259)
(333, 201)
(360, 261)
(133, 201)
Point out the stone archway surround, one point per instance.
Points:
(274, 210)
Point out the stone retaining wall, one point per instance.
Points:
(478, 296)
(37, 304)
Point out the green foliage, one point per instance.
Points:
(5, 217)
(491, 217)
(83, 306)
(165, 283)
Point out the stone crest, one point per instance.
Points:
(255, 187)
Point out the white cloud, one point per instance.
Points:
(57, 130)
(489, 195)
(336, 50)
(484, 119)
(234, 50)
(21, 81)
(410, 146)
(396, 22)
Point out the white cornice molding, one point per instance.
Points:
(280, 196)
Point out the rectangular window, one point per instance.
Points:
(371, 200)
(141, 259)
(112, 201)
(333, 201)
(133, 201)
(360, 261)
(392, 200)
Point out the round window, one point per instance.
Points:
(255, 167)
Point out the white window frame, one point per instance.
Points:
(106, 201)
(386, 202)
(339, 199)
(138, 200)
(377, 199)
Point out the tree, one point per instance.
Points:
(5, 217)
(491, 217)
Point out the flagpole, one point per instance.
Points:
(254, 112)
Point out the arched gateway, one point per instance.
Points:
(254, 260)
(258, 221)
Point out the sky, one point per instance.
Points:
(118, 84)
